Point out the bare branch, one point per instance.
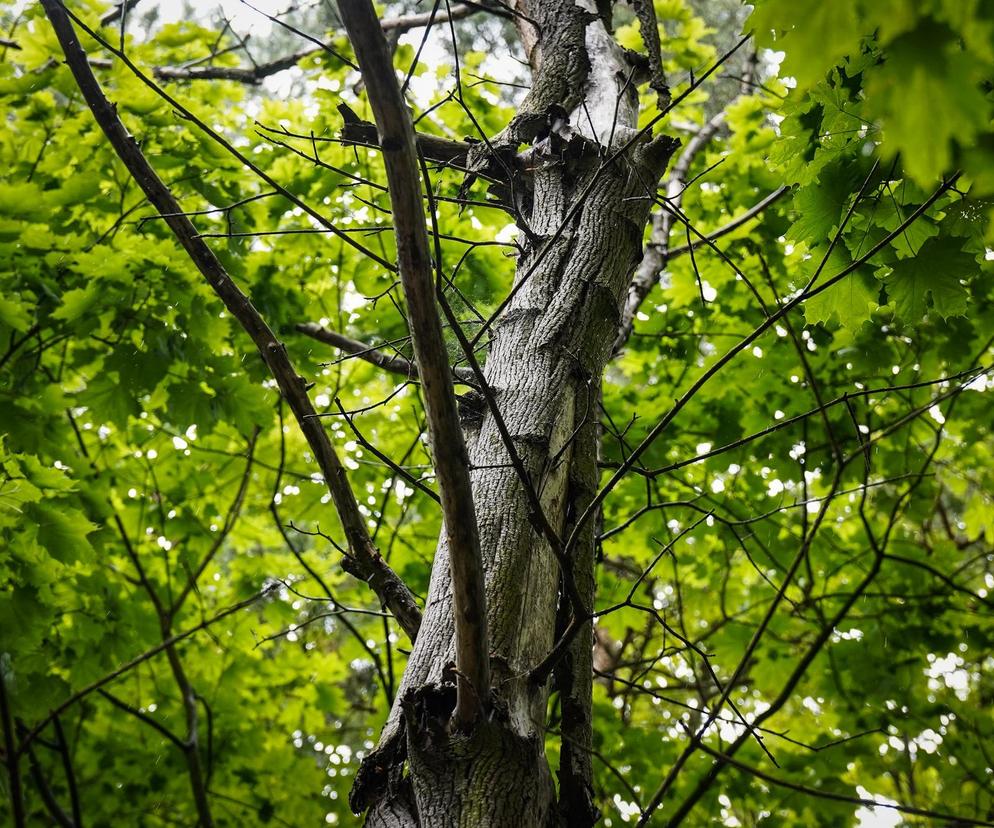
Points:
(364, 133)
(115, 13)
(657, 252)
(11, 759)
(166, 643)
(70, 773)
(55, 810)
(397, 468)
(451, 458)
(394, 363)
(734, 224)
(256, 74)
(818, 793)
(143, 717)
(185, 113)
(222, 535)
(807, 293)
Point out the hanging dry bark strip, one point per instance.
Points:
(364, 560)
(396, 134)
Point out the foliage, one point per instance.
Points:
(147, 458)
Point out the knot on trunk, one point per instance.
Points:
(472, 406)
(452, 775)
(455, 773)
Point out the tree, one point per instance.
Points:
(590, 430)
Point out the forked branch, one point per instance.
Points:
(394, 363)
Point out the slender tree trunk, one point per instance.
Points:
(585, 204)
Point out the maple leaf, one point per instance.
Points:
(932, 280)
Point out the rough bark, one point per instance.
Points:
(585, 212)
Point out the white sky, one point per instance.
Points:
(247, 20)
(243, 18)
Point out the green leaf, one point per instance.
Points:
(62, 531)
(243, 403)
(14, 314)
(930, 99)
(847, 302)
(819, 207)
(932, 280)
(814, 41)
(110, 399)
(141, 399)
(77, 302)
(77, 189)
(21, 199)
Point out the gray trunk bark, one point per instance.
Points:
(547, 353)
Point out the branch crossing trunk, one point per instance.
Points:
(585, 211)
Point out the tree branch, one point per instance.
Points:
(397, 143)
(657, 251)
(11, 756)
(397, 468)
(364, 561)
(837, 797)
(394, 363)
(32, 734)
(734, 224)
(256, 74)
(229, 523)
(115, 13)
(809, 291)
(144, 717)
(187, 115)
(55, 810)
(77, 814)
(443, 150)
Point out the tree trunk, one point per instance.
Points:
(584, 212)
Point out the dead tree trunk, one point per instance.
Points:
(583, 194)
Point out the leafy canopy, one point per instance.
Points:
(145, 451)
